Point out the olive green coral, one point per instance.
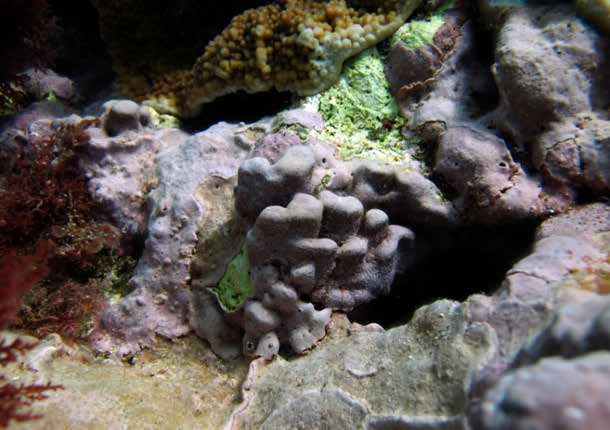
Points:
(294, 45)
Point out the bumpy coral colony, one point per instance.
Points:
(295, 45)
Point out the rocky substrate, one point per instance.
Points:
(259, 242)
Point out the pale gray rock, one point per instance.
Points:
(553, 394)
(576, 328)
(411, 375)
(45, 83)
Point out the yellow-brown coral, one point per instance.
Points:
(294, 45)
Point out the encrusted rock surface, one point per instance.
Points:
(121, 161)
(553, 394)
(490, 186)
(411, 375)
(578, 340)
(427, 373)
(554, 66)
(543, 91)
(161, 301)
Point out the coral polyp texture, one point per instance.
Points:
(294, 45)
(310, 245)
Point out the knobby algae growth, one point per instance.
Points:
(292, 45)
(235, 287)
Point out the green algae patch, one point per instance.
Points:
(162, 120)
(418, 34)
(235, 287)
(360, 113)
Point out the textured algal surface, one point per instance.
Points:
(361, 116)
(235, 287)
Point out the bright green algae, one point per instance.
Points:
(235, 287)
(360, 113)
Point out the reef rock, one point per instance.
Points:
(121, 161)
(430, 371)
(179, 205)
(554, 393)
(554, 67)
(407, 376)
(490, 186)
(321, 245)
(577, 340)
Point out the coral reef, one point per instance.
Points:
(455, 348)
(296, 45)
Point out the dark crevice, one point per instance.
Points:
(239, 107)
(472, 260)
